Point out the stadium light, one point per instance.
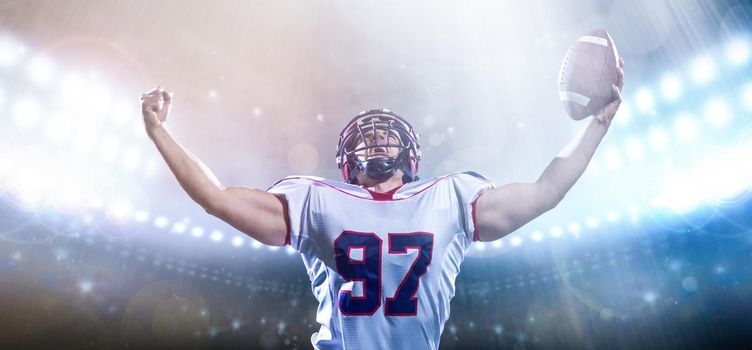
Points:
(131, 158)
(516, 241)
(644, 100)
(85, 286)
(11, 52)
(613, 216)
(702, 69)
(717, 112)
(680, 194)
(120, 210)
(685, 128)
(69, 198)
(556, 231)
(57, 130)
(109, 148)
(634, 212)
(575, 228)
(612, 158)
(141, 216)
(41, 69)
(27, 187)
(671, 87)
(85, 138)
(658, 139)
(179, 227)
(746, 96)
(123, 112)
(650, 297)
(197, 231)
(634, 149)
(592, 222)
(738, 51)
(161, 222)
(724, 174)
(633, 208)
(237, 241)
(216, 236)
(624, 115)
(26, 113)
(96, 200)
(72, 88)
(536, 236)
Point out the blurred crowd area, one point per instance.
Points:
(683, 286)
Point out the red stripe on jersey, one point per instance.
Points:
(287, 218)
(473, 205)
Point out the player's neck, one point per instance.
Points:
(386, 185)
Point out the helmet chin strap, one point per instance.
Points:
(379, 168)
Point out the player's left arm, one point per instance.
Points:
(504, 209)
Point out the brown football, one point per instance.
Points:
(587, 73)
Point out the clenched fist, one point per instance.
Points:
(155, 106)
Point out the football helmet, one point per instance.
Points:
(352, 150)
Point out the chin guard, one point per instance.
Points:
(380, 168)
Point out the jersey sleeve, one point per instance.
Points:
(468, 187)
(297, 193)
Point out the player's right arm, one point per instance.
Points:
(254, 212)
(505, 209)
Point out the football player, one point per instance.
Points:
(383, 248)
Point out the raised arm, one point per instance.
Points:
(507, 208)
(254, 212)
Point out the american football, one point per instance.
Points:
(587, 73)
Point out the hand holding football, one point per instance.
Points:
(590, 71)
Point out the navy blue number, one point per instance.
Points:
(367, 270)
(404, 302)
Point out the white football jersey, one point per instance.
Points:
(382, 266)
